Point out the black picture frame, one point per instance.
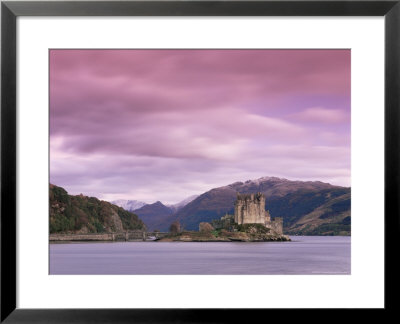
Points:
(10, 10)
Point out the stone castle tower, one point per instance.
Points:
(250, 209)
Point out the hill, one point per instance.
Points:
(82, 214)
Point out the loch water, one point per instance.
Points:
(304, 255)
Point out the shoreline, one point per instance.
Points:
(292, 239)
(184, 237)
(167, 237)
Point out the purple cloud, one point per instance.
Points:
(134, 123)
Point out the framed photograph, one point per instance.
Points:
(187, 161)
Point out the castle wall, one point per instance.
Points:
(267, 217)
(238, 212)
(277, 225)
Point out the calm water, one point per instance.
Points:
(304, 255)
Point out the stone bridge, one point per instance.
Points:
(120, 237)
(145, 236)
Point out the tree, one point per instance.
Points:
(205, 227)
(175, 227)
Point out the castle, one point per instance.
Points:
(250, 209)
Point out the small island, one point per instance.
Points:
(250, 223)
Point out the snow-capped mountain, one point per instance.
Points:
(129, 205)
(183, 203)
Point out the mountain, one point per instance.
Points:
(129, 205)
(307, 207)
(82, 214)
(154, 214)
(181, 204)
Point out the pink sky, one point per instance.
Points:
(166, 124)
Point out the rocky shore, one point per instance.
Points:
(225, 236)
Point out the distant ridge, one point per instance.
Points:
(153, 214)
